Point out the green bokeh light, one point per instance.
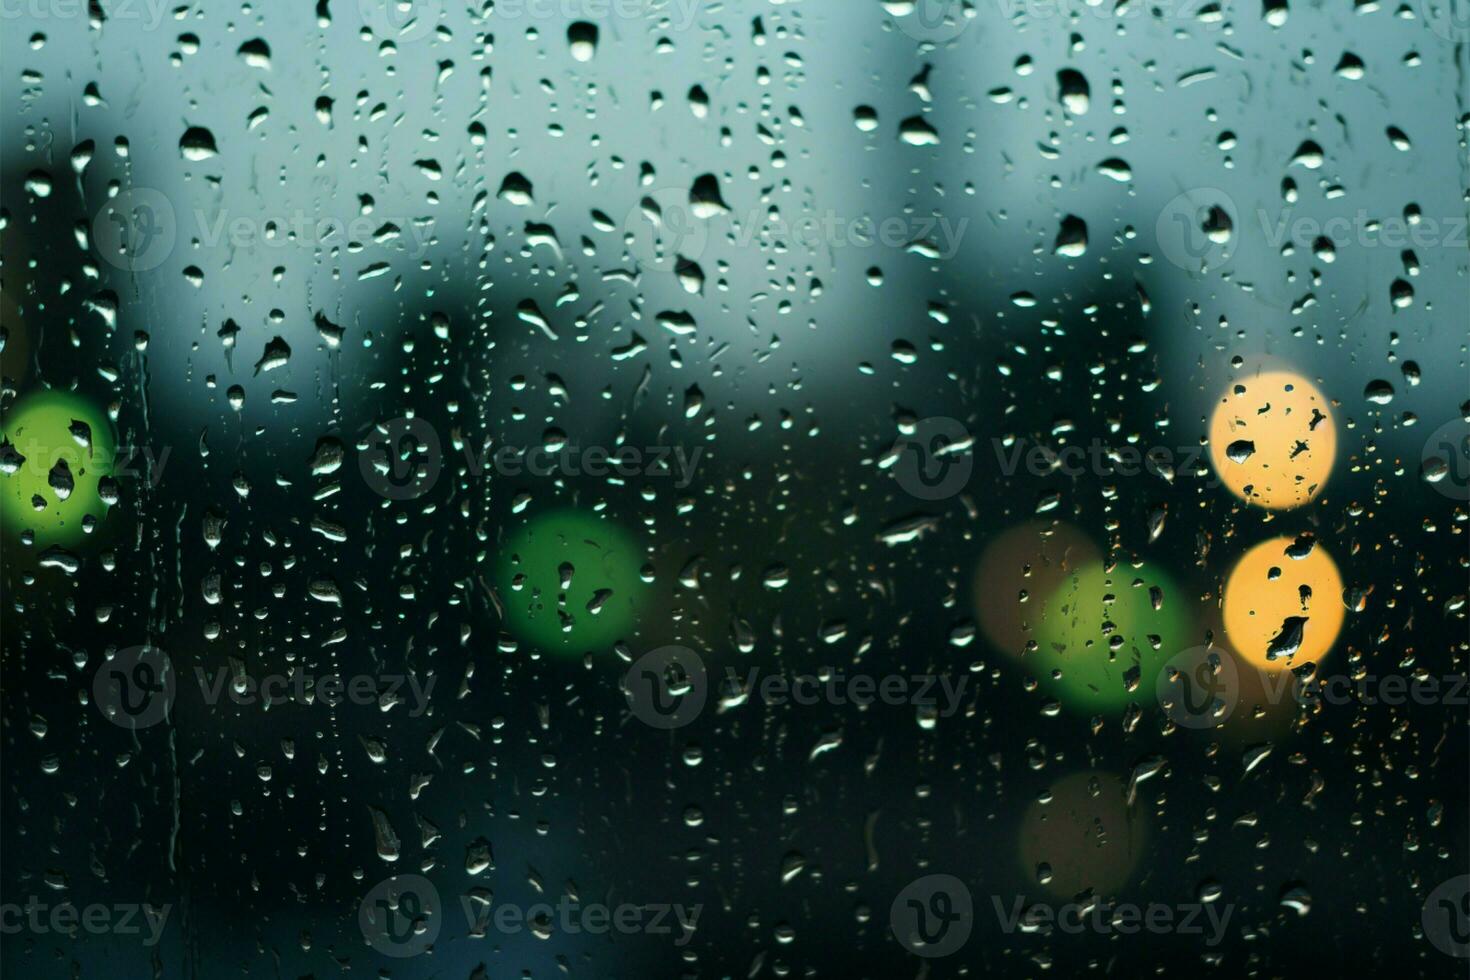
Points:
(1071, 638)
(602, 557)
(39, 427)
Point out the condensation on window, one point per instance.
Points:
(714, 488)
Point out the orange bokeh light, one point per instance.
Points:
(1273, 599)
(1273, 439)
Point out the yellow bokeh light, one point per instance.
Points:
(1274, 601)
(1273, 439)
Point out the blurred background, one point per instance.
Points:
(1079, 356)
